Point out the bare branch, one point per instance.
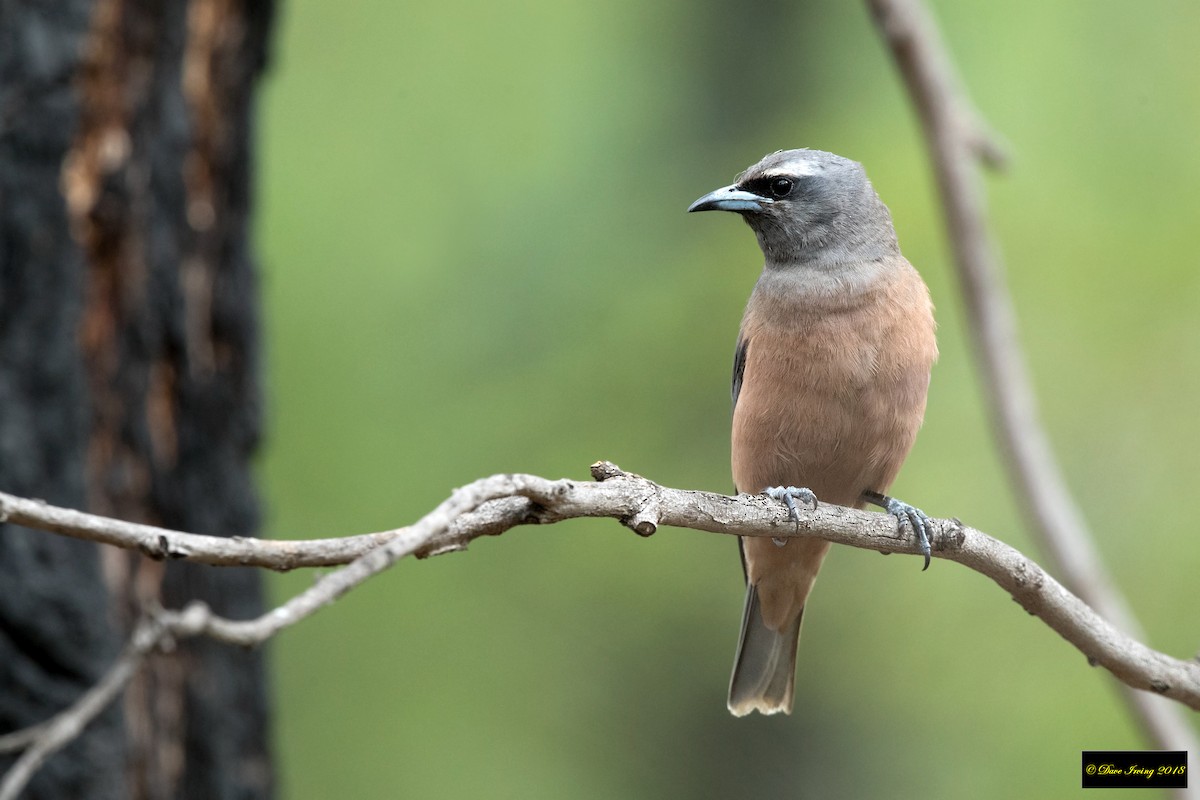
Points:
(958, 142)
(492, 505)
(162, 543)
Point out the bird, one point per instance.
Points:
(831, 372)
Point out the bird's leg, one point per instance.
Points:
(788, 495)
(902, 511)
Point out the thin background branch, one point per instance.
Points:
(958, 144)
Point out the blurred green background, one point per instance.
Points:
(477, 260)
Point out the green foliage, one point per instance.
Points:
(477, 260)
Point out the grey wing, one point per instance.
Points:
(739, 369)
(739, 366)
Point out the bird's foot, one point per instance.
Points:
(917, 519)
(788, 495)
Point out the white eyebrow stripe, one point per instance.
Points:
(793, 169)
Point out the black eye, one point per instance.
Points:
(781, 187)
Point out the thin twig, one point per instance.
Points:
(958, 142)
(45, 739)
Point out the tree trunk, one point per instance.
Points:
(129, 376)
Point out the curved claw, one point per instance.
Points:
(917, 519)
(902, 511)
(788, 495)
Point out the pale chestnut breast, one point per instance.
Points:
(834, 385)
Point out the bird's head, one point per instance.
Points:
(808, 206)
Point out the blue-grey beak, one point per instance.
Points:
(730, 198)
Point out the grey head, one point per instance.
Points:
(808, 207)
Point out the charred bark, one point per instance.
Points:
(129, 375)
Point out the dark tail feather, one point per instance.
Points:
(764, 672)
